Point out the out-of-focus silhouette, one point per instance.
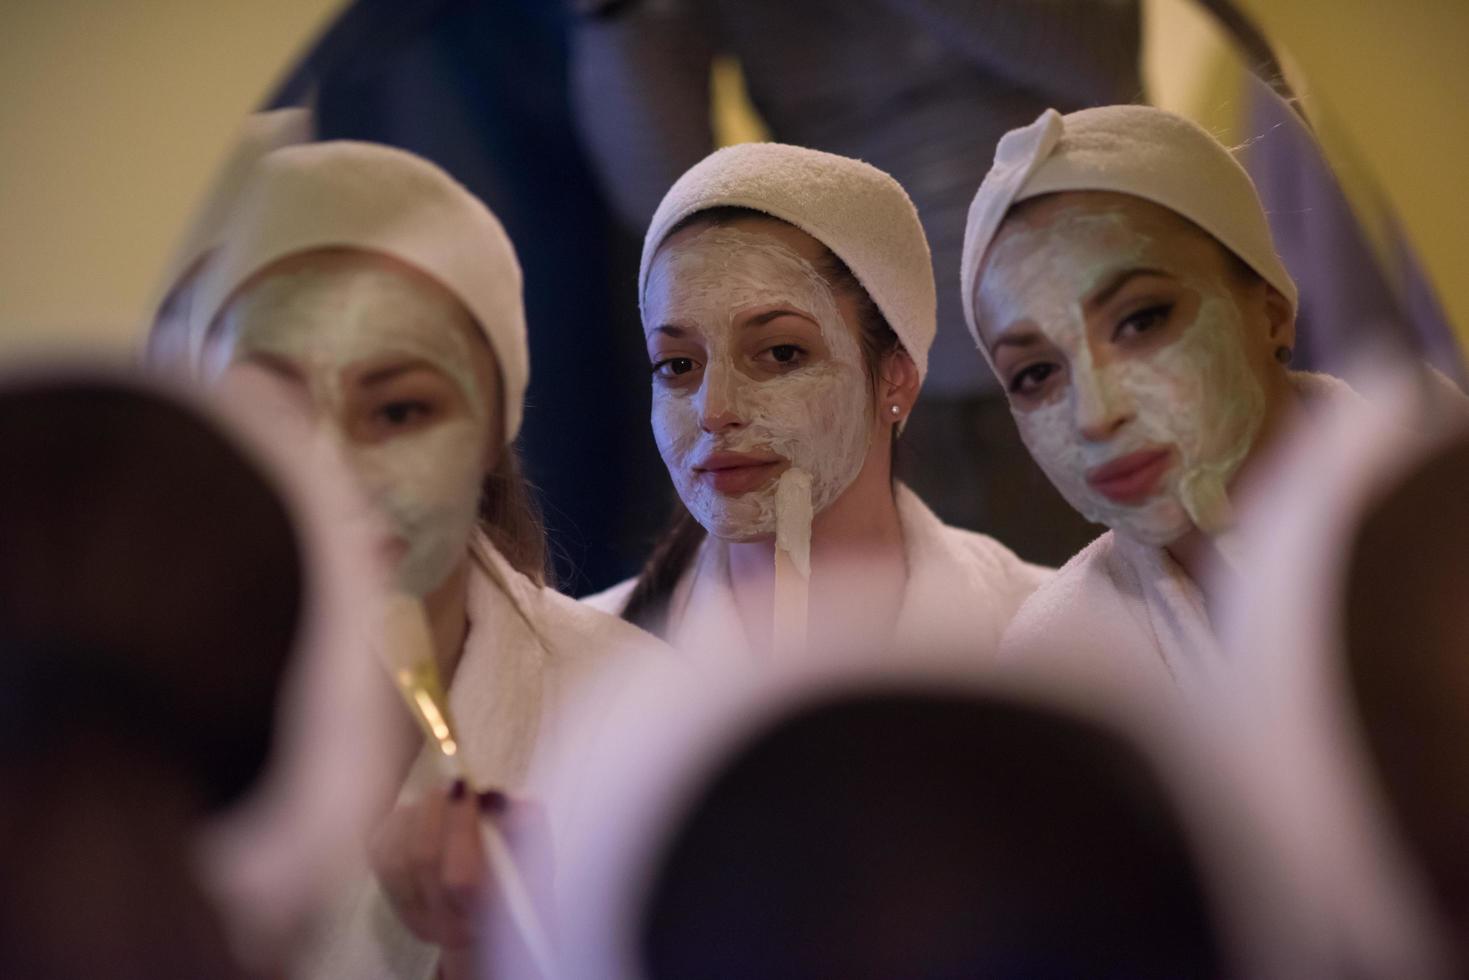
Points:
(150, 595)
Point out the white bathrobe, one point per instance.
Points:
(529, 652)
(1124, 604)
(1263, 685)
(962, 586)
(1127, 613)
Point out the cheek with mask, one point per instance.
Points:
(425, 483)
(815, 418)
(1195, 398)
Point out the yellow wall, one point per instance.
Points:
(1387, 85)
(114, 115)
(1384, 85)
(1190, 68)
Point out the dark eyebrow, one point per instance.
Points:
(761, 319)
(388, 372)
(1110, 289)
(1017, 338)
(277, 365)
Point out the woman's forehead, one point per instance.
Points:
(354, 309)
(1101, 227)
(722, 270)
(335, 264)
(751, 227)
(1099, 215)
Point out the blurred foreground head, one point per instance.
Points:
(1346, 643)
(151, 585)
(930, 835)
(888, 818)
(1407, 647)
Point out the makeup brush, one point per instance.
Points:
(408, 654)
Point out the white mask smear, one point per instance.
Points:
(793, 518)
(815, 416)
(1196, 395)
(323, 320)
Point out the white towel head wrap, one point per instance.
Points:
(171, 337)
(1127, 149)
(345, 194)
(863, 215)
(260, 134)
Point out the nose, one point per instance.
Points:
(1101, 406)
(717, 410)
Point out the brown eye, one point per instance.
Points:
(1143, 321)
(783, 357)
(1028, 380)
(672, 367)
(402, 414)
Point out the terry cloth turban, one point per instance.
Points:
(860, 213)
(1127, 149)
(261, 133)
(345, 194)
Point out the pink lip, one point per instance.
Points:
(1133, 478)
(736, 473)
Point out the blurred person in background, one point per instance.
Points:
(385, 299)
(481, 89)
(922, 89)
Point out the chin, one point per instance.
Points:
(738, 528)
(740, 534)
(746, 518)
(1158, 523)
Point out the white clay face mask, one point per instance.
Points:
(815, 417)
(1196, 396)
(324, 320)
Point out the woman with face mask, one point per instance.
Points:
(384, 302)
(1120, 279)
(788, 307)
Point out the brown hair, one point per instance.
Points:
(647, 606)
(511, 518)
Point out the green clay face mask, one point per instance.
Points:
(1195, 398)
(814, 418)
(322, 321)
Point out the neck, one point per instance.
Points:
(859, 529)
(447, 608)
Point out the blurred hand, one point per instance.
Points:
(431, 864)
(429, 857)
